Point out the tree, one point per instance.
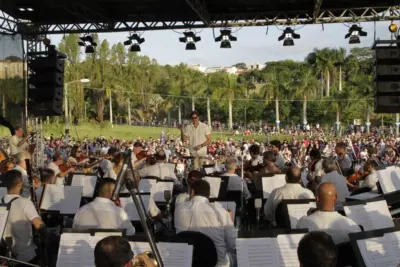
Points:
(306, 86)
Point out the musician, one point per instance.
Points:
(115, 251)
(343, 159)
(198, 214)
(192, 176)
(21, 218)
(317, 249)
(291, 190)
(137, 148)
(117, 164)
(276, 147)
(198, 135)
(372, 178)
(235, 182)
(256, 158)
(76, 157)
(332, 176)
(5, 166)
(54, 165)
(160, 169)
(326, 219)
(269, 160)
(47, 176)
(106, 164)
(17, 142)
(102, 213)
(21, 167)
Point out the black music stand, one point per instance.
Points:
(271, 233)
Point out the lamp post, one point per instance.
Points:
(66, 99)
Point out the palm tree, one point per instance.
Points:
(307, 86)
(340, 61)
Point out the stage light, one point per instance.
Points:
(287, 36)
(226, 38)
(393, 28)
(22, 9)
(29, 9)
(354, 34)
(190, 39)
(134, 41)
(87, 42)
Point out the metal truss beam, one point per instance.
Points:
(7, 23)
(199, 7)
(317, 8)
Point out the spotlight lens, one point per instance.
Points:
(393, 28)
(22, 9)
(29, 9)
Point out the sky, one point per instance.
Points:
(253, 45)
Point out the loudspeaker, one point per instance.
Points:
(46, 84)
(386, 78)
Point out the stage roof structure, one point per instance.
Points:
(30, 17)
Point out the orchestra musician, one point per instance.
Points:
(17, 142)
(276, 147)
(198, 135)
(21, 167)
(159, 169)
(21, 218)
(77, 158)
(102, 213)
(106, 164)
(47, 176)
(54, 165)
(235, 182)
(371, 178)
(343, 159)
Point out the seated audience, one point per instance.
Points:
(317, 249)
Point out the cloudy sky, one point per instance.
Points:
(253, 45)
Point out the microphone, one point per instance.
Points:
(121, 177)
(258, 205)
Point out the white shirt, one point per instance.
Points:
(288, 191)
(102, 213)
(370, 181)
(105, 165)
(197, 136)
(200, 215)
(235, 184)
(257, 160)
(341, 186)
(280, 160)
(26, 190)
(14, 148)
(334, 224)
(345, 163)
(318, 171)
(160, 170)
(56, 169)
(19, 226)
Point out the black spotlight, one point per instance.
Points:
(190, 39)
(87, 42)
(134, 41)
(354, 34)
(288, 35)
(226, 38)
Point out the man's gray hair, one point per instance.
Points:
(230, 163)
(329, 165)
(22, 156)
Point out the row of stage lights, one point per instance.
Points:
(288, 36)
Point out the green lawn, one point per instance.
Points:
(126, 132)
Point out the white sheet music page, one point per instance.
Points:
(394, 176)
(3, 219)
(87, 181)
(129, 206)
(287, 249)
(379, 251)
(147, 185)
(372, 215)
(296, 211)
(385, 181)
(227, 205)
(257, 252)
(215, 184)
(209, 170)
(3, 192)
(158, 193)
(271, 183)
(65, 199)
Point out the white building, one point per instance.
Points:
(231, 70)
(255, 66)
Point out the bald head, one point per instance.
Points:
(293, 175)
(326, 197)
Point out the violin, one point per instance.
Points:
(357, 176)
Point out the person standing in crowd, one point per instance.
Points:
(326, 219)
(291, 190)
(17, 142)
(53, 165)
(317, 249)
(102, 213)
(198, 135)
(22, 216)
(276, 148)
(198, 214)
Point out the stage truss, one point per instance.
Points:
(11, 25)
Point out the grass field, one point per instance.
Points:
(127, 132)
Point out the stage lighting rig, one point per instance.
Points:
(134, 41)
(190, 39)
(354, 34)
(87, 42)
(393, 28)
(288, 35)
(226, 38)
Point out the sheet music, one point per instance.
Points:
(257, 252)
(129, 206)
(215, 184)
(389, 179)
(209, 170)
(271, 183)
(365, 196)
(3, 219)
(220, 168)
(296, 211)
(372, 215)
(172, 254)
(287, 249)
(3, 192)
(228, 205)
(65, 199)
(380, 251)
(147, 185)
(88, 182)
(158, 193)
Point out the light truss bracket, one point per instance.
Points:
(199, 7)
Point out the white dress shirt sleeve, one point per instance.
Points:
(269, 207)
(126, 224)
(30, 211)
